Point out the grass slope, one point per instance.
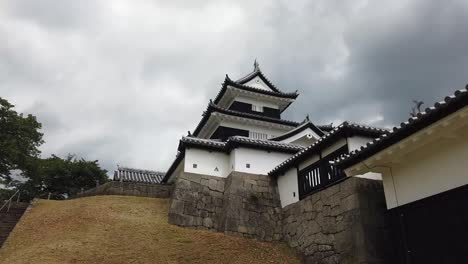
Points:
(122, 229)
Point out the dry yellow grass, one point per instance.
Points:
(119, 229)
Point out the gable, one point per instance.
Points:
(305, 137)
(258, 83)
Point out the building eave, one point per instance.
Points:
(422, 120)
(344, 130)
(212, 108)
(298, 130)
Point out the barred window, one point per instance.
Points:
(258, 135)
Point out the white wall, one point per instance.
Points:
(257, 83)
(261, 161)
(207, 162)
(338, 144)
(438, 167)
(288, 187)
(301, 138)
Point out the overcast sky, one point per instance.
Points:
(122, 81)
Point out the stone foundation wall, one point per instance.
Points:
(242, 204)
(344, 223)
(197, 201)
(130, 189)
(252, 207)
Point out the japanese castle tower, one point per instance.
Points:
(240, 126)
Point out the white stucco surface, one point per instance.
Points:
(435, 168)
(207, 162)
(288, 187)
(258, 83)
(261, 161)
(304, 138)
(335, 146)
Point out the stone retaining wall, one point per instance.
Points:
(242, 204)
(252, 207)
(344, 223)
(130, 189)
(197, 201)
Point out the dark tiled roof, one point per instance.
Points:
(431, 115)
(259, 73)
(344, 130)
(231, 143)
(299, 129)
(236, 141)
(228, 82)
(326, 128)
(139, 176)
(214, 108)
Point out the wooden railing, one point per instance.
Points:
(320, 174)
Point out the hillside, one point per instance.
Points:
(122, 229)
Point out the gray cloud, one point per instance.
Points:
(120, 81)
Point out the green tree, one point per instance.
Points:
(19, 140)
(63, 177)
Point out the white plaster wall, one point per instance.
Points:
(207, 162)
(288, 187)
(261, 161)
(256, 101)
(436, 168)
(301, 138)
(258, 83)
(272, 132)
(309, 161)
(338, 144)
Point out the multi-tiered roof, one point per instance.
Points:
(252, 87)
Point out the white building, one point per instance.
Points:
(425, 179)
(242, 130)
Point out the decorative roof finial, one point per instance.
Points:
(256, 66)
(417, 108)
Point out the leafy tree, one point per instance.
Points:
(63, 177)
(19, 140)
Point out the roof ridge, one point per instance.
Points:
(125, 168)
(421, 116)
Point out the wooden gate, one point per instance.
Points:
(433, 230)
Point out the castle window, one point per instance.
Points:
(194, 165)
(258, 135)
(257, 108)
(247, 165)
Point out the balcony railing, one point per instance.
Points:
(320, 174)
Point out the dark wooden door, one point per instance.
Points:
(433, 230)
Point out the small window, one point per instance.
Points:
(257, 108)
(294, 194)
(247, 165)
(257, 135)
(216, 169)
(194, 165)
